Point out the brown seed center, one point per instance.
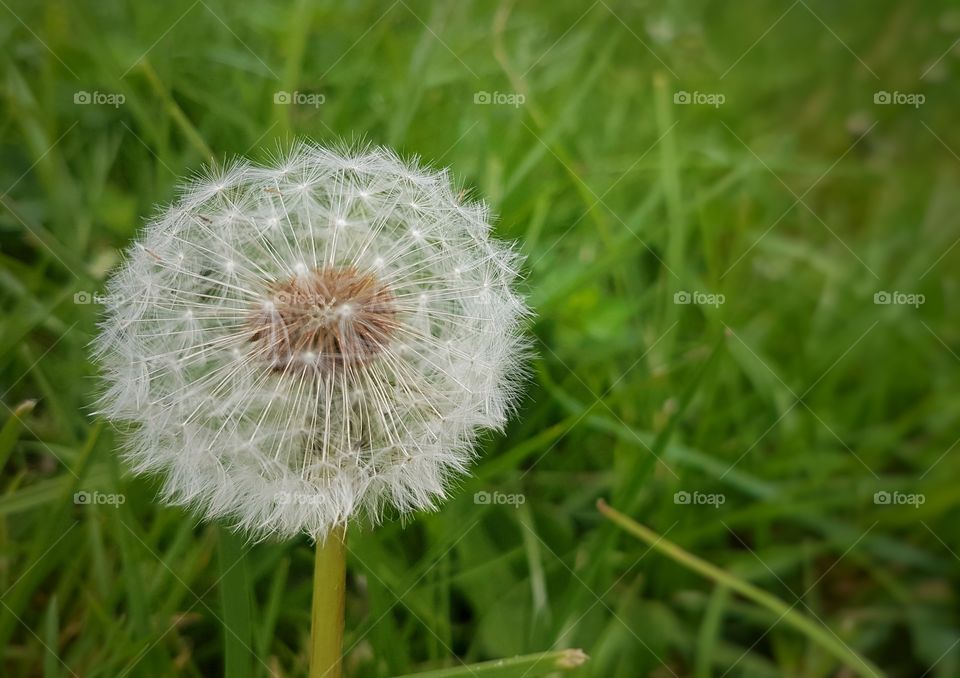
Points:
(324, 318)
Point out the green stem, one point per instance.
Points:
(817, 632)
(526, 666)
(326, 627)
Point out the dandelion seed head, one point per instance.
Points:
(299, 345)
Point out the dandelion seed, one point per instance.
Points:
(291, 376)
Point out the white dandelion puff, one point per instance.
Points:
(322, 339)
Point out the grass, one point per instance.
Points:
(786, 407)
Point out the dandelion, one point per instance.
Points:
(299, 345)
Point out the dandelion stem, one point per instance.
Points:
(326, 622)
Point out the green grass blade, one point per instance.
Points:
(816, 632)
(526, 666)
(235, 596)
(10, 432)
(51, 625)
(710, 627)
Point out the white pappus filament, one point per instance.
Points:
(323, 338)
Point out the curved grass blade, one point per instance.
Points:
(528, 666)
(816, 632)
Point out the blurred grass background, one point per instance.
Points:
(798, 199)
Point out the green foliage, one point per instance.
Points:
(779, 412)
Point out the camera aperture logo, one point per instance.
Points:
(884, 98)
(883, 298)
(314, 99)
(84, 98)
(84, 498)
(699, 298)
(683, 98)
(85, 297)
(896, 498)
(695, 498)
(485, 498)
(514, 99)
